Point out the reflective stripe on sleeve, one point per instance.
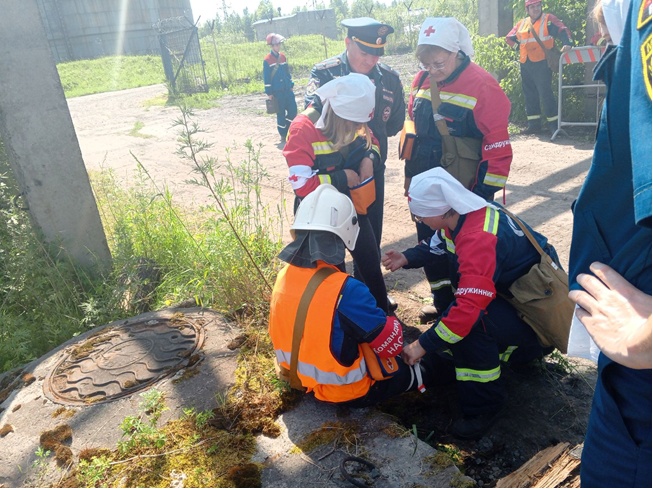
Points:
(477, 376)
(445, 334)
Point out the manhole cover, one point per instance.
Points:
(122, 360)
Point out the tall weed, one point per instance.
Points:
(221, 255)
(44, 298)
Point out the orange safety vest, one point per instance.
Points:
(528, 46)
(318, 370)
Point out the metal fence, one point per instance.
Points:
(181, 55)
(595, 89)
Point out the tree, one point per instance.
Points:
(340, 8)
(265, 10)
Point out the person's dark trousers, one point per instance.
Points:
(498, 337)
(287, 111)
(437, 272)
(367, 262)
(431, 367)
(536, 79)
(375, 211)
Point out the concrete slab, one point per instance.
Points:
(401, 460)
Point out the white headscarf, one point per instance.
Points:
(434, 192)
(351, 97)
(447, 33)
(615, 13)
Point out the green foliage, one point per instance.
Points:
(110, 73)
(44, 298)
(141, 430)
(494, 55)
(201, 419)
(90, 473)
(222, 255)
(241, 65)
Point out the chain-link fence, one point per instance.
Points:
(181, 55)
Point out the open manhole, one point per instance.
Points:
(120, 360)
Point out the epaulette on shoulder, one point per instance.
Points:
(326, 64)
(385, 67)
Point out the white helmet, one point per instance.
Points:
(327, 209)
(274, 38)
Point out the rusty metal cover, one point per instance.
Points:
(121, 360)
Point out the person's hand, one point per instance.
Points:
(366, 169)
(616, 314)
(413, 353)
(406, 185)
(353, 178)
(393, 260)
(565, 48)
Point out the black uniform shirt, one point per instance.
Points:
(390, 107)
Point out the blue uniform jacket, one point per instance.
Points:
(607, 228)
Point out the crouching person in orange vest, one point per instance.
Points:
(329, 336)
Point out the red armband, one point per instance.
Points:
(390, 342)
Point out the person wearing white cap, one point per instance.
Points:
(364, 45)
(337, 147)
(536, 76)
(331, 313)
(472, 104)
(479, 331)
(278, 83)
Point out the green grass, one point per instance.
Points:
(108, 74)
(223, 255)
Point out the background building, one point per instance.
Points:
(87, 29)
(301, 23)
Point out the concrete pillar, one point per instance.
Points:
(494, 17)
(40, 140)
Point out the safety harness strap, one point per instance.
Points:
(300, 322)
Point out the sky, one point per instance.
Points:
(208, 8)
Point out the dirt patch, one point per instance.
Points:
(549, 402)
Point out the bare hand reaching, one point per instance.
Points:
(393, 260)
(413, 353)
(616, 314)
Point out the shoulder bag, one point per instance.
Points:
(552, 55)
(460, 155)
(408, 136)
(541, 297)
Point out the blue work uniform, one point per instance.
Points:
(480, 330)
(612, 224)
(278, 82)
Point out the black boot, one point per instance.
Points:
(533, 128)
(474, 426)
(428, 314)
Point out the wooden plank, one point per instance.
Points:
(559, 472)
(528, 473)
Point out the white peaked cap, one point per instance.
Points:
(447, 33)
(434, 192)
(351, 97)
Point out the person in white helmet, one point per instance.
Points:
(337, 315)
(278, 84)
(336, 146)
